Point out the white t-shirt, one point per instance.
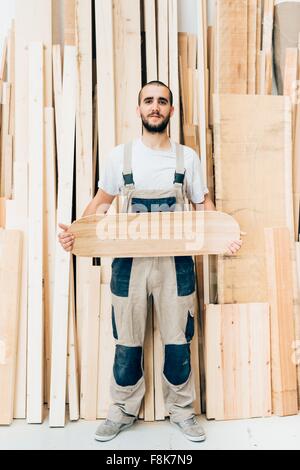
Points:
(153, 170)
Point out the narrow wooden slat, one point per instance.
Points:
(69, 22)
(269, 73)
(192, 51)
(10, 280)
(202, 98)
(190, 96)
(6, 91)
(90, 346)
(105, 78)
(258, 43)
(2, 213)
(290, 81)
(195, 362)
(8, 155)
(35, 348)
(163, 40)
(84, 144)
(280, 291)
(174, 68)
(267, 38)
(127, 34)
(49, 237)
(262, 73)
(62, 259)
(297, 317)
(296, 162)
(149, 411)
(159, 405)
(57, 88)
(57, 21)
(3, 64)
(268, 21)
(231, 46)
(106, 360)
(11, 76)
(252, 49)
(13, 219)
(107, 135)
(291, 71)
(196, 232)
(151, 46)
(73, 383)
(211, 67)
(268, 135)
(183, 66)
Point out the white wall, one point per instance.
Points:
(188, 14)
(7, 12)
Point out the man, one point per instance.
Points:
(154, 174)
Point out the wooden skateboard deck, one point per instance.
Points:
(154, 234)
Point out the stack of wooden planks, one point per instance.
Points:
(256, 181)
(64, 106)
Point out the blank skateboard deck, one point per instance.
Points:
(154, 234)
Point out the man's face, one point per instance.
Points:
(155, 109)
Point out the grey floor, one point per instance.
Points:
(269, 433)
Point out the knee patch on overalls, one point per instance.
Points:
(177, 367)
(120, 277)
(185, 275)
(128, 365)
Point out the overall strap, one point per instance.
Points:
(180, 170)
(127, 167)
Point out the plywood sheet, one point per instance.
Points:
(237, 353)
(253, 184)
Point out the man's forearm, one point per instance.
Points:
(207, 205)
(95, 208)
(100, 204)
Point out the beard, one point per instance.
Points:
(156, 129)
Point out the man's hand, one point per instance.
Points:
(235, 246)
(66, 239)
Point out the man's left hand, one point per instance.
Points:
(234, 247)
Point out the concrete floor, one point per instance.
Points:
(257, 434)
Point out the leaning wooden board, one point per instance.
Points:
(156, 234)
(253, 170)
(237, 353)
(10, 281)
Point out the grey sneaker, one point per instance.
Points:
(191, 429)
(109, 430)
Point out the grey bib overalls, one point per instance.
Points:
(171, 282)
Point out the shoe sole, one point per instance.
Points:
(110, 438)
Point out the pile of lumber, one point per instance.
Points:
(256, 169)
(64, 105)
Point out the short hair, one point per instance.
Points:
(158, 83)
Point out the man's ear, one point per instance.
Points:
(172, 111)
(138, 111)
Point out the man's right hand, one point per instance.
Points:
(66, 239)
